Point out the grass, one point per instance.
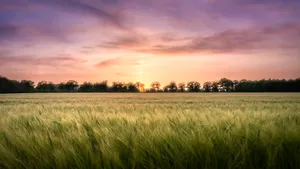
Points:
(150, 131)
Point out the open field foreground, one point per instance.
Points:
(163, 131)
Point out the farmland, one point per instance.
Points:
(150, 130)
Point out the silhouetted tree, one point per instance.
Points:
(166, 88)
(181, 87)
(9, 86)
(131, 87)
(44, 86)
(172, 87)
(27, 86)
(235, 84)
(193, 86)
(62, 87)
(51, 87)
(13, 86)
(264, 85)
(119, 87)
(71, 85)
(207, 86)
(86, 87)
(100, 86)
(270, 85)
(226, 85)
(215, 87)
(295, 85)
(155, 86)
(140, 86)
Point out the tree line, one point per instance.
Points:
(222, 85)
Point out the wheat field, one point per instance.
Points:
(150, 130)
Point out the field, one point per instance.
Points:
(144, 130)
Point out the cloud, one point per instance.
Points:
(170, 37)
(29, 33)
(19, 6)
(96, 10)
(237, 40)
(126, 42)
(19, 25)
(16, 24)
(119, 61)
(60, 60)
(272, 6)
(108, 62)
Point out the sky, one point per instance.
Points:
(149, 40)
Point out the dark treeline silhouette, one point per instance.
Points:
(13, 86)
(222, 85)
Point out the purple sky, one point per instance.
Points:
(153, 40)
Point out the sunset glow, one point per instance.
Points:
(154, 40)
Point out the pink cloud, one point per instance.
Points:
(61, 60)
(118, 62)
(236, 40)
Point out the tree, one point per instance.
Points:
(100, 86)
(71, 85)
(27, 86)
(9, 86)
(119, 87)
(86, 87)
(172, 87)
(193, 86)
(215, 87)
(62, 87)
(44, 86)
(235, 84)
(140, 86)
(51, 87)
(226, 85)
(13, 86)
(241, 86)
(207, 86)
(181, 87)
(296, 85)
(166, 88)
(132, 87)
(155, 86)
